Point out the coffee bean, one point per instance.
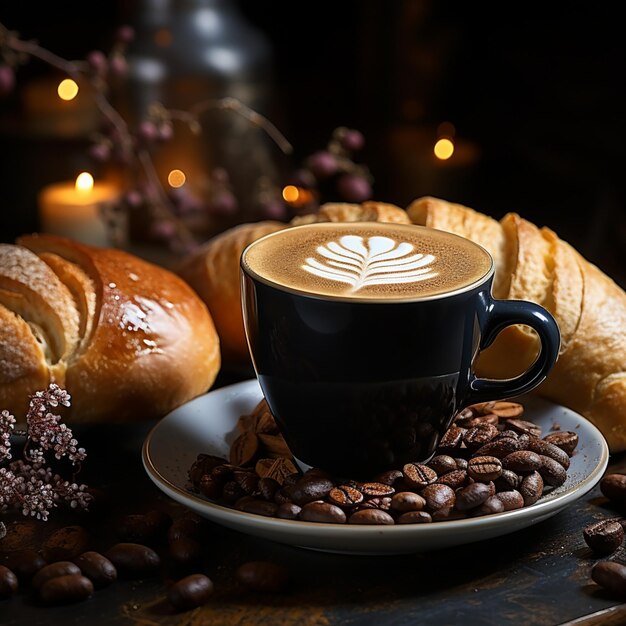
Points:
(511, 500)
(418, 475)
(134, 560)
(611, 576)
(232, 491)
(415, 517)
(438, 497)
(346, 495)
(24, 563)
(210, 487)
(60, 568)
(247, 480)
(506, 434)
(310, 488)
(268, 487)
(480, 420)
(384, 504)
(100, 571)
(371, 516)
(545, 448)
(567, 440)
(184, 527)
(250, 504)
(490, 506)
(506, 409)
(484, 468)
(613, 486)
(507, 480)
(604, 537)
(478, 436)
(376, 490)
(461, 464)
(291, 479)
(456, 479)
(442, 464)
(522, 461)
(66, 589)
(523, 427)
(451, 440)
(472, 496)
(288, 510)
(322, 512)
(244, 449)
(263, 576)
(531, 488)
(20, 535)
(552, 472)
(499, 447)
(190, 592)
(185, 551)
(390, 477)
(407, 501)
(65, 544)
(204, 465)
(8, 582)
(282, 496)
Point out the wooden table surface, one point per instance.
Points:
(537, 576)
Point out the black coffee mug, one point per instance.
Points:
(361, 386)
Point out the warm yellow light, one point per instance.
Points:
(444, 148)
(176, 178)
(291, 193)
(67, 89)
(84, 182)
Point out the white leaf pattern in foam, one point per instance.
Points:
(374, 261)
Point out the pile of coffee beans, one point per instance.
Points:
(489, 461)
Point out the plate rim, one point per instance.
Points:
(538, 510)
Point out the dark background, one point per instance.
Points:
(536, 89)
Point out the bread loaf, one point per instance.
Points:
(535, 264)
(213, 269)
(129, 340)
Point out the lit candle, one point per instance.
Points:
(74, 209)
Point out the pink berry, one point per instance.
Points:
(7, 80)
(352, 140)
(97, 61)
(322, 164)
(125, 33)
(119, 67)
(163, 230)
(133, 198)
(354, 188)
(303, 178)
(147, 131)
(100, 151)
(165, 132)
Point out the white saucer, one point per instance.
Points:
(207, 425)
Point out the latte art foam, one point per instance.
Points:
(373, 261)
(367, 260)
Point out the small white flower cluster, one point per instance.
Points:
(29, 485)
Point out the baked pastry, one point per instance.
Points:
(535, 264)
(213, 269)
(369, 211)
(129, 340)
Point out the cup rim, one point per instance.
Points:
(246, 269)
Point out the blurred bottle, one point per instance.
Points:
(190, 51)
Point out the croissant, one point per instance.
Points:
(129, 340)
(534, 264)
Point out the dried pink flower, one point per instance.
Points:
(28, 484)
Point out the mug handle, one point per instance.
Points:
(499, 315)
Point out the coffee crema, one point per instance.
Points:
(367, 260)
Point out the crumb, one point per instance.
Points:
(556, 426)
